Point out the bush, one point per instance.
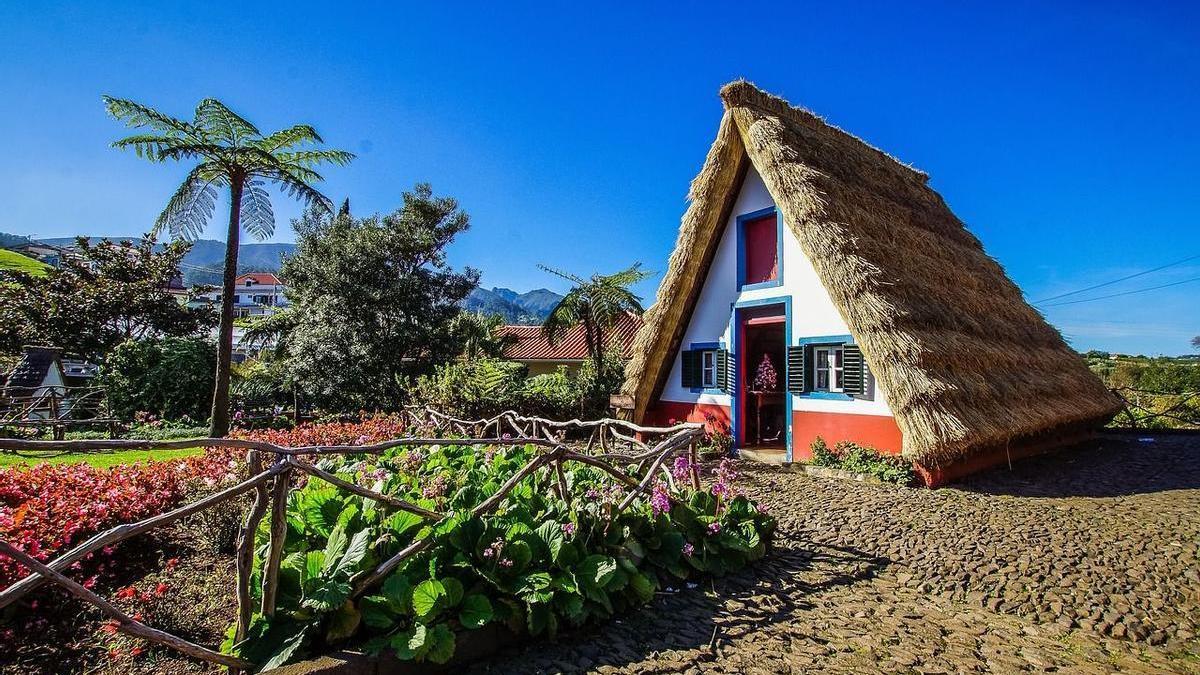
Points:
(537, 564)
(855, 458)
(551, 395)
(171, 378)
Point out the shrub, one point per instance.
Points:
(473, 389)
(168, 377)
(855, 458)
(551, 395)
(537, 564)
(48, 508)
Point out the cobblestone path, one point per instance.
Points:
(1086, 561)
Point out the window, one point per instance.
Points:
(828, 369)
(759, 249)
(708, 369)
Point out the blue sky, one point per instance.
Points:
(1065, 136)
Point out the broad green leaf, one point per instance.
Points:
(538, 619)
(454, 591)
(403, 522)
(643, 586)
(476, 611)
(335, 547)
(520, 555)
(441, 644)
(328, 595)
(411, 644)
(314, 564)
(355, 552)
(428, 598)
(597, 570)
(343, 622)
(551, 534)
(289, 649)
(377, 612)
(398, 591)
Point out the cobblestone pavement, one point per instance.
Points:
(1086, 561)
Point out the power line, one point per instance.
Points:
(1116, 281)
(1116, 295)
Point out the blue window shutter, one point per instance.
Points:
(797, 369)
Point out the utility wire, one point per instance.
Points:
(1116, 295)
(1116, 281)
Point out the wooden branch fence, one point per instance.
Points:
(1180, 410)
(55, 407)
(272, 467)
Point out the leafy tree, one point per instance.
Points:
(233, 154)
(102, 295)
(170, 377)
(1196, 342)
(372, 301)
(596, 304)
(480, 334)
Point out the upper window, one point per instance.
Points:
(828, 368)
(759, 249)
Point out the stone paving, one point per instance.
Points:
(1086, 561)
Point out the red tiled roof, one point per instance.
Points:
(261, 278)
(531, 345)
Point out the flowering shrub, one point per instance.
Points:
(536, 563)
(47, 508)
(766, 378)
(855, 458)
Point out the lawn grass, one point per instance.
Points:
(100, 459)
(11, 260)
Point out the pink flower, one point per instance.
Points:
(568, 529)
(660, 501)
(682, 469)
(688, 549)
(714, 528)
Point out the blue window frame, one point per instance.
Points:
(741, 249)
(829, 347)
(708, 370)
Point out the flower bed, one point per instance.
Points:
(48, 508)
(538, 564)
(858, 459)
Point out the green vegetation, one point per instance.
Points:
(101, 296)
(596, 304)
(537, 564)
(169, 378)
(11, 261)
(855, 458)
(1159, 393)
(233, 154)
(100, 460)
(372, 302)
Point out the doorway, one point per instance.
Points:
(763, 401)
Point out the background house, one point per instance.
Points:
(255, 294)
(530, 346)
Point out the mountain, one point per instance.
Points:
(519, 308)
(7, 240)
(203, 264)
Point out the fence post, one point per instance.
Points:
(245, 551)
(695, 465)
(270, 581)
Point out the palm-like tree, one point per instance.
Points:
(232, 153)
(596, 304)
(481, 334)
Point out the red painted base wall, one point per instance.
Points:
(877, 431)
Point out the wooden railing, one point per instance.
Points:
(1144, 408)
(271, 469)
(55, 407)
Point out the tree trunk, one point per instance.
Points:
(219, 424)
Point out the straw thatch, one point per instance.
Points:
(966, 364)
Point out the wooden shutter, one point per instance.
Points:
(690, 368)
(854, 371)
(724, 366)
(797, 369)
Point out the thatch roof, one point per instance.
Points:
(965, 362)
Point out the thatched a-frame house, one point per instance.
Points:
(819, 287)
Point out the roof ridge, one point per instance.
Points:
(744, 93)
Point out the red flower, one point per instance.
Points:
(160, 590)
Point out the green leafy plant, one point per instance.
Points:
(537, 564)
(855, 458)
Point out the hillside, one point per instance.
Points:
(518, 308)
(11, 260)
(203, 263)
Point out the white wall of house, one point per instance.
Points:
(813, 312)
